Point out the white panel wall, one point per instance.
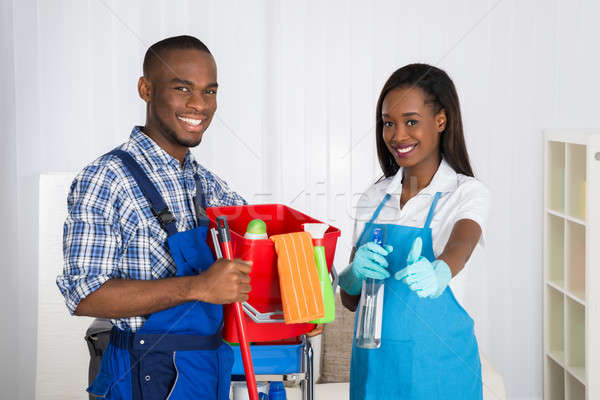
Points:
(60, 344)
(8, 205)
(299, 81)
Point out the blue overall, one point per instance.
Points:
(178, 353)
(428, 348)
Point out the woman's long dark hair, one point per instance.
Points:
(439, 87)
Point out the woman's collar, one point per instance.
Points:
(444, 180)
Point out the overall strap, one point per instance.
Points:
(199, 201)
(375, 215)
(157, 204)
(200, 192)
(432, 209)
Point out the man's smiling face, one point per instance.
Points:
(180, 90)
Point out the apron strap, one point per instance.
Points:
(379, 207)
(157, 204)
(375, 215)
(432, 209)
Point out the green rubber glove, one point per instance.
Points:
(369, 262)
(423, 277)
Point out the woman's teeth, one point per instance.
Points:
(194, 122)
(405, 149)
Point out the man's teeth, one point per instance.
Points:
(191, 121)
(405, 149)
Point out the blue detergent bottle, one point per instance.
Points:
(370, 314)
(277, 391)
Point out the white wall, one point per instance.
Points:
(8, 206)
(58, 333)
(299, 81)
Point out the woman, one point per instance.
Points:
(432, 213)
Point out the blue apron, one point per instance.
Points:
(428, 348)
(178, 353)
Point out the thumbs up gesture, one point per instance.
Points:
(423, 277)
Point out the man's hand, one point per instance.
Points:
(225, 282)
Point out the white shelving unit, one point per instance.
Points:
(572, 265)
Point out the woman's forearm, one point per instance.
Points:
(348, 300)
(463, 239)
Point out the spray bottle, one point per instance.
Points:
(317, 232)
(370, 314)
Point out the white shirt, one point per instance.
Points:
(462, 197)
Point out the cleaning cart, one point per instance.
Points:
(279, 351)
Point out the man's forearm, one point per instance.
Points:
(224, 282)
(119, 298)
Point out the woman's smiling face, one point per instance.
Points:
(411, 128)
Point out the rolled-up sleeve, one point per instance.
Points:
(220, 193)
(91, 238)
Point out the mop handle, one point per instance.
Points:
(225, 239)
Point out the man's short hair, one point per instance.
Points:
(157, 50)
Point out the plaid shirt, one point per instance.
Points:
(110, 230)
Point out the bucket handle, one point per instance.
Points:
(275, 317)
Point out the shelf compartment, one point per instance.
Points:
(575, 338)
(555, 250)
(576, 180)
(575, 266)
(578, 373)
(555, 381)
(555, 322)
(575, 390)
(556, 176)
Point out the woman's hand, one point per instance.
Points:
(369, 262)
(425, 278)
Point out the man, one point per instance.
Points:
(135, 241)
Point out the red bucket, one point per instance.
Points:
(265, 296)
